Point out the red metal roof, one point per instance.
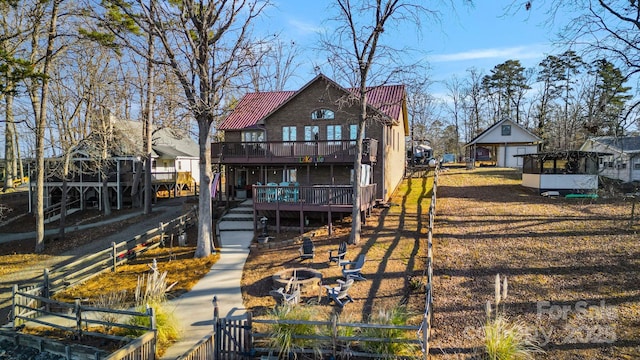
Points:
(254, 107)
(387, 99)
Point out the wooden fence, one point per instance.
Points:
(339, 346)
(109, 259)
(202, 350)
(427, 320)
(32, 303)
(81, 321)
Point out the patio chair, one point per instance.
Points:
(307, 250)
(339, 254)
(340, 293)
(284, 298)
(353, 269)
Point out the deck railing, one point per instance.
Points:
(312, 195)
(299, 151)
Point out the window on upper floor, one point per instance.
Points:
(334, 132)
(288, 133)
(353, 133)
(322, 114)
(311, 133)
(252, 136)
(506, 130)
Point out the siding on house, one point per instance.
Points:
(623, 163)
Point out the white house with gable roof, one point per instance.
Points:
(500, 142)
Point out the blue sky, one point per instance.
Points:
(480, 36)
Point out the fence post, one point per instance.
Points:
(78, 318)
(216, 337)
(153, 325)
(14, 308)
(152, 318)
(45, 288)
(334, 334)
(114, 255)
(249, 334)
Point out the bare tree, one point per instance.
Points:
(456, 106)
(356, 51)
(604, 29)
(42, 56)
(14, 27)
(207, 46)
(273, 65)
(474, 94)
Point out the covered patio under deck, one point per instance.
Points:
(327, 199)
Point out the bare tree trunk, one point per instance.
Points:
(149, 120)
(9, 146)
(205, 225)
(41, 121)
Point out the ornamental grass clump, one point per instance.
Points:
(290, 339)
(389, 349)
(151, 292)
(505, 339)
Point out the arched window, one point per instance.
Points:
(322, 114)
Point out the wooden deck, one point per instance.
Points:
(293, 152)
(316, 198)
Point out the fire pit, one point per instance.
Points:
(308, 279)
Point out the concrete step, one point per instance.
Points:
(238, 216)
(241, 210)
(235, 225)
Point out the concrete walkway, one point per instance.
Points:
(194, 309)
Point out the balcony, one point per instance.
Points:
(336, 198)
(293, 152)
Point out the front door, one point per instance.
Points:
(520, 151)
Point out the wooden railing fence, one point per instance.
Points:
(427, 320)
(81, 321)
(56, 209)
(202, 350)
(335, 345)
(109, 259)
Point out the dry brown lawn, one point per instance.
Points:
(572, 267)
(393, 242)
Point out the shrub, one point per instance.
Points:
(166, 324)
(505, 339)
(390, 350)
(283, 336)
(110, 300)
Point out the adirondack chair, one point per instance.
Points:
(307, 250)
(339, 254)
(353, 269)
(340, 293)
(284, 298)
(289, 295)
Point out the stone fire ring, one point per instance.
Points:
(308, 279)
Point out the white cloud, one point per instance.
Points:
(517, 52)
(304, 28)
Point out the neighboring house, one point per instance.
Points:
(623, 163)
(501, 142)
(174, 168)
(294, 150)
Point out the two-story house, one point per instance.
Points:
(294, 150)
